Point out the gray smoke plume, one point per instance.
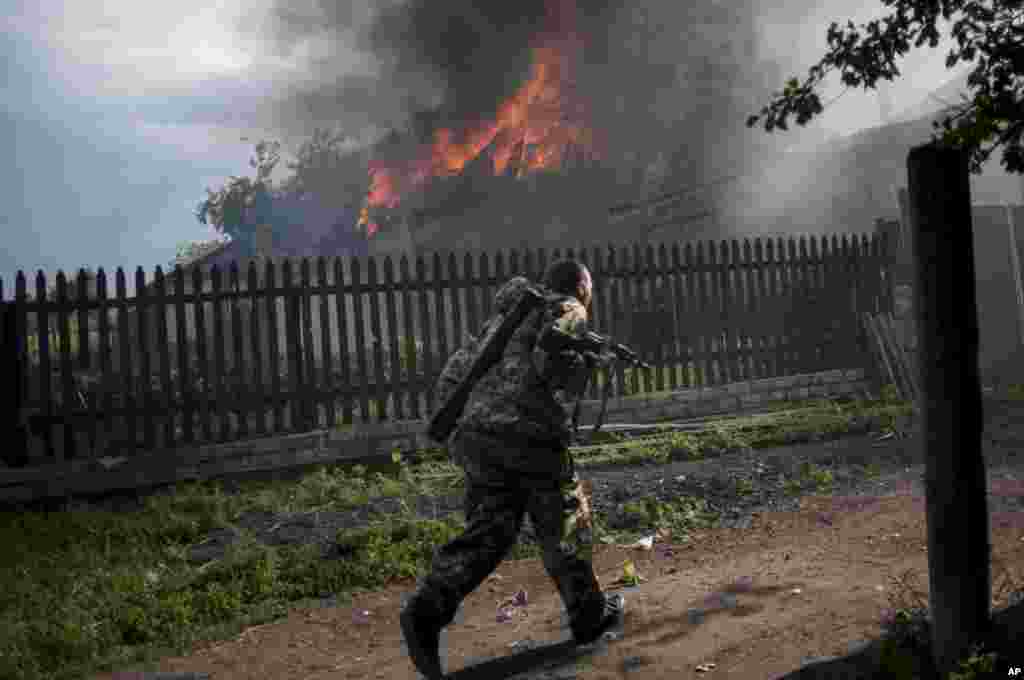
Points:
(450, 62)
(665, 88)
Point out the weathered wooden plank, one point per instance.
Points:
(164, 358)
(411, 348)
(394, 339)
(681, 328)
(486, 289)
(203, 357)
(668, 352)
(805, 323)
(130, 425)
(456, 285)
(378, 342)
(82, 309)
(310, 409)
(255, 336)
(220, 396)
(344, 352)
(428, 344)
(188, 402)
(274, 351)
(516, 268)
(472, 294)
(751, 331)
(238, 390)
(68, 401)
(143, 309)
(104, 359)
(360, 340)
(440, 317)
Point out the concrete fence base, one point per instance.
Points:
(366, 441)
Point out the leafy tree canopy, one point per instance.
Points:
(988, 33)
(228, 209)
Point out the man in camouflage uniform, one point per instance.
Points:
(512, 441)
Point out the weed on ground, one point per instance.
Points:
(91, 590)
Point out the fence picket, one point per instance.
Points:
(472, 291)
(486, 288)
(255, 338)
(514, 266)
(186, 404)
(274, 358)
(325, 383)
(397, 389)
(654, 379)
(163, 357)
(344, 353)
(66, 377)
(84, 356)
(129, 402)
(747, 277)
(238, 393)
(104, 361)
(428, 345)
(310, 407)
(411, 347)
(143, 309)
(682, 356)
(717, 314)
(378, 339)
(439, 311)
(360, 340)
(667, 353)
(219, 388)
(804, 344)
(457, 286)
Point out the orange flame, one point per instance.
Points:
(531, 130)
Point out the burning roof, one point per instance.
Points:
(537, 127)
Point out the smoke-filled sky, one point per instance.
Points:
(120, 113)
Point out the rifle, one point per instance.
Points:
(492, 349)
(595, 346)
(589, 344)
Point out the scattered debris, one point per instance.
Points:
(705, 667)
(645, 543)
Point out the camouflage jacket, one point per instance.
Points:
(529, 392)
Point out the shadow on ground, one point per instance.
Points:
(877, 659)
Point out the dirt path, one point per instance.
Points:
(791, 580)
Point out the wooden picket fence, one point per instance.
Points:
(194, 358)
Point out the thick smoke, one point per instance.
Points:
(449, 61)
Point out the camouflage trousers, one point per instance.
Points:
(498, 497)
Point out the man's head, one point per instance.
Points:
(570, 277)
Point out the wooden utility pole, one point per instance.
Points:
(945, 303)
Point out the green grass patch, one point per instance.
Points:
(90, 591)
(817, 420)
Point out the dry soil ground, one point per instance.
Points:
(785, 581)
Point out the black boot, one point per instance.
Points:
(584, 633)
(422, 638)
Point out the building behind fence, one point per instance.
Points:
(206, 355)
